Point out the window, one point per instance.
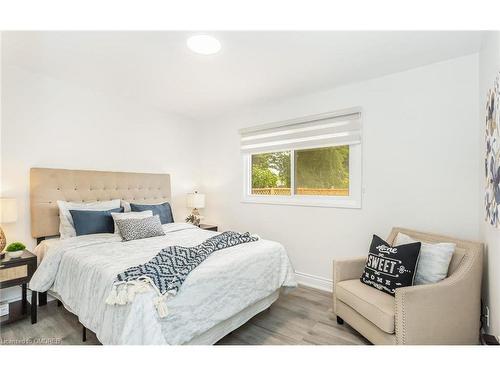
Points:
(310, 161)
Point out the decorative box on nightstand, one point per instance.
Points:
(18, 271)
(209, 227)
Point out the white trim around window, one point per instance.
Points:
(351, 201)
(349, 120)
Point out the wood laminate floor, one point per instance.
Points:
(302, 317)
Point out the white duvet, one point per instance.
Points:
(81, 270)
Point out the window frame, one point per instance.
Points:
(353, 200)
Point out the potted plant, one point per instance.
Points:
(15, 249)
(193, 219)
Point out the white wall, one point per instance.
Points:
(489, 68)
(49, 123)
(420, 158)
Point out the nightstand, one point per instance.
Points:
(209, 227)
(18, 271)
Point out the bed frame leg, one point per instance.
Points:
(59, 303)
(42, 298)
(84, 333)
(340, 320)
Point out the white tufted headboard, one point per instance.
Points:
(47, 186)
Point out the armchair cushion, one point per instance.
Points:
(376, 306)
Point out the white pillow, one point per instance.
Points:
(129, 215)
(66, 225)
(434, 259)
(126, 206)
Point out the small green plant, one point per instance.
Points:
(15, 246)
(193, 219)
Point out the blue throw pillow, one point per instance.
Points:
(91, 222)
(163, 210)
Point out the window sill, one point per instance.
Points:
(307, 202)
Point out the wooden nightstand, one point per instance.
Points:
(18, 271)
(209, 227)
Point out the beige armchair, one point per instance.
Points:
(447, 312)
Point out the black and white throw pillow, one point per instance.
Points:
(135, 229)
(388, 268)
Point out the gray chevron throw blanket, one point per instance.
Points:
(167, 270)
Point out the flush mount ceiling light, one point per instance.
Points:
(203, 44)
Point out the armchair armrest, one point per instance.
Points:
(348, 269)
(447, 312)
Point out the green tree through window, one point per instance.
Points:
(322, 168)
(318, 171)
(271, 173)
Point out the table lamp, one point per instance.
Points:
(195, 201)
(8, 214)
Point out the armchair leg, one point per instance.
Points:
(340, 320)
(84, 333)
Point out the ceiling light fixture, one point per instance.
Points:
(203, 44)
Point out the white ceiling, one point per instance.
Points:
(253, 67)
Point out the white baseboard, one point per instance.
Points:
(316, 282)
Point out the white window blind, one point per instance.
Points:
(325, 130)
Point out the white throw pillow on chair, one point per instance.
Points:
(434, 259)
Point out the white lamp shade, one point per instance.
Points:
(8, 210)
(196, 200)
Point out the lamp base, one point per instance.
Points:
(3, 241)
(194, 217)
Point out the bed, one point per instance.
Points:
(222, 293)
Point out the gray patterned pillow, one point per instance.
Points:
(135, 229)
